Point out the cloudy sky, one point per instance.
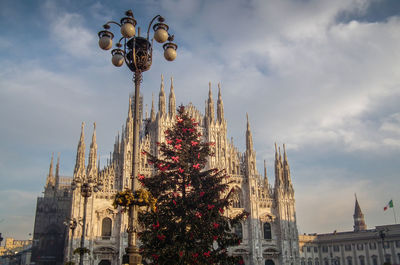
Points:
(321, 76)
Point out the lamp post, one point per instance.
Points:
(72, 224)
(136, 52)
(87, 187)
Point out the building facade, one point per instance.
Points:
(361, 246)
(269, 235)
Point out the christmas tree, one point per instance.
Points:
(189, 225)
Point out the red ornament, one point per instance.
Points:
(169, 141)
(184, 130)
(191, 130)
(215, 225)
(194, 143)
(175, 158)
(207, 254)
(179, 120)
(195, 255)
(140, 177)
(174, 202)
(143, 152)
(215, 237)
(198, 214)
(178, 141)
(155, 256)
(197, 166)
(178, 146)
(221, 210)
(210, 206)
(198, 156)
(161, 237)
(181, 170)
(180, 254)
(202, 193)
(156, 225)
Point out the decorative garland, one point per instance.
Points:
(139, 197)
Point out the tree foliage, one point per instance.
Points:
(190, 224)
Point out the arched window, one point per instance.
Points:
(362, 260)
(309, 262)
(374, 260)
(349, 260)
(238, 230)
(237, 198)
(267, 231)
(105, 262)
(269, 262)
(303, 262)
(388, 258)
(106, 225)
(316, 261)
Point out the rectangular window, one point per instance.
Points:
(315, 249)
(386, 244)
(347, 247)
(372, 245)
(308, 249)
(324, 249)
(336, 248)
(360, 246)
(397, 243)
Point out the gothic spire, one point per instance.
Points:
(50, 181)
(152, 112)
(220, 106)
(92, 163)
(161, 98)
(172, 101)
(265, 174)
(249, 137)
(286, 172)
(79, 170)
(57, 181)
(359, 222)
(210, 105)
(278, 169)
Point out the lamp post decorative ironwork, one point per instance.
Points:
(87, 187)
(137, 53)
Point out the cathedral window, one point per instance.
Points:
(325, 249)
(309, 262)
(237, 201)
(349, 260)
(269, 262)
(267, 231)
(106, 225)
(238, 230)
(316, 261)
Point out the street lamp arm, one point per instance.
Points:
(160, 18)
(107, 25)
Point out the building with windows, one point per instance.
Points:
(269, 235)
(361, 246)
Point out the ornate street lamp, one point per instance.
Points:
(136, 52)
(71, 224)
(87, 187)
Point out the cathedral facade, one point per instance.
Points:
(269, 234)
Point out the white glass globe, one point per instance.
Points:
(161, 35)
(170, 54)
(105, 42)
(117, 59)
(128, 30)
